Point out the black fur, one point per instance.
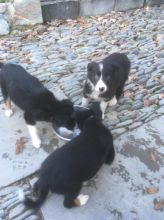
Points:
(65, 170)
(37, 102)
(115, 72)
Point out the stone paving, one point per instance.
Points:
(58, 53)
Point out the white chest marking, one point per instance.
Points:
(101, 86)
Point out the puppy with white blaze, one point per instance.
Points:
(37, 102)
(105, 80)
(67, 168)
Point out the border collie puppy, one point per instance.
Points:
(65, 170)
(105, 80)
(37, 102)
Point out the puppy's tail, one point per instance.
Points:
(31, 203)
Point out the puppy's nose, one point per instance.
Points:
(101, 89)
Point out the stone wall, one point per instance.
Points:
(28, 12)
(4, 25)
(19, 12)
(53, 9)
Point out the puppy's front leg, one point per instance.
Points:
(85, 102)
(103, 106)
(113, 101)
(8, 108)
(36, 142)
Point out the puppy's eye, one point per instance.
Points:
(108, 77)
(97, 77)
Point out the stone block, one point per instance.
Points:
(122, 5)
(27, 12)
(2, 8)
(154, 2)
(4, 26)
(94, 7)
(59, 9)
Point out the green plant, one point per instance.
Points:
(3, 1)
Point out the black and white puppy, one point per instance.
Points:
(65, 170)
(37, 102)
(105, 80)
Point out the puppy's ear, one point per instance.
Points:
(115, 66)
(67, 102)
(81, 117)
(91, 66)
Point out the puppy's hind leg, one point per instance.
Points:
(73, 198)
(31, 125)
(113, 101)
(81, 200)
(8, 109)
(119, 91)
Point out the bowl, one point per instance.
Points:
(66, 134)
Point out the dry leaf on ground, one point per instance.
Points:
(152, 157)
(161, 95)
(152, 190)
(158, 205)
(128, 94)
(19, 145)
(132, 77)
(147, 102)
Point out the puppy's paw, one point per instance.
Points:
(84, 102)
(113, 101)
(21, 195)
(82, 199)
(8, 112)
(36, 142)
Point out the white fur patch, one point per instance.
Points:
(101, 86)
(8, 112)
(101, 67)
(21, 195)
(113, 101)
(34, 136)
(103, 106)
(83, 199)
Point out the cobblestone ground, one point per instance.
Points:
(58, 54)
(10, 206)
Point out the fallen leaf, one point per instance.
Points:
(19, 145)
(152, 157)
(128, 94)
(158, 205)
(161, 96)
(34, 33)
(154, 37)
(157, 79)
(147, 102)
(152, 190)
(132, 77)
(141, 87)
(24, 37)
